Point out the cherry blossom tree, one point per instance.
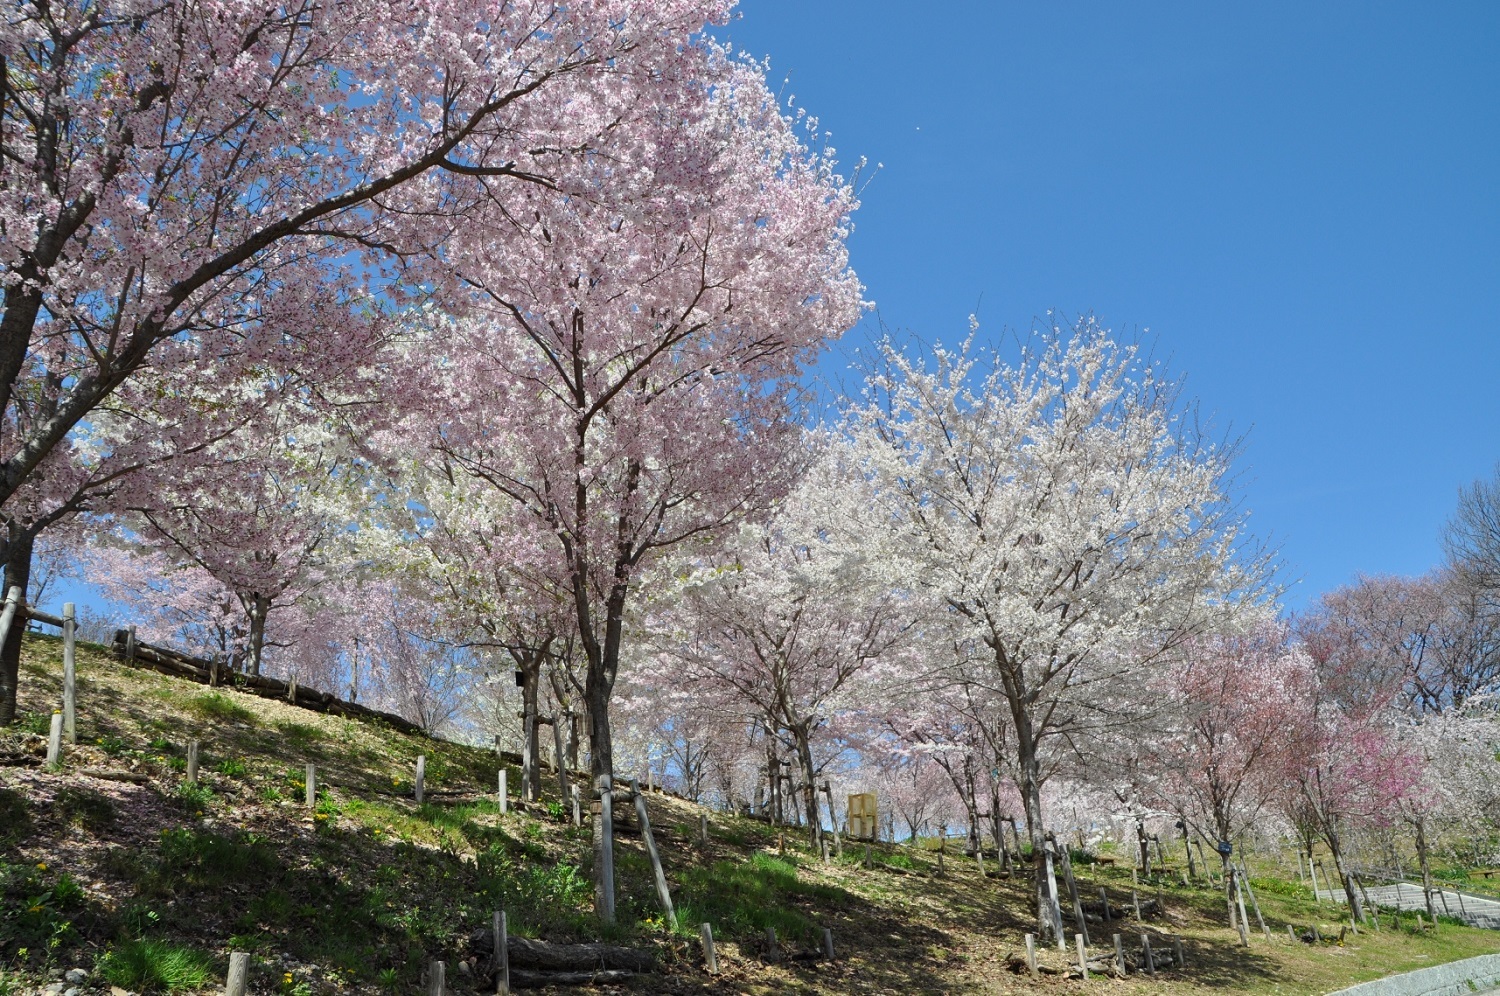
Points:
(1065, 510)
(622, 376)
(795, 616)
(1219, 759)
(203, 180)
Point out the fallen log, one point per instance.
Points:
(543, 955)
(521, 978)
(103, 774)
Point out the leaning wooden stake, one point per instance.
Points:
(239, 974)
(1239, 898)
(54, 740)
(502, 955)
(1146, 950)
(662, 892)
(1177, 950)
(1104, 902)
(1245, 876)
(710, 957)
(1072, 883)
(70, 674)
(436, 983)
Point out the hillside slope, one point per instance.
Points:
(108, 883)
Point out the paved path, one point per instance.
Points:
(1477, 911)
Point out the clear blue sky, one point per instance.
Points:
(1297, 201)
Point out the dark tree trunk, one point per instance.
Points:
(18, 550)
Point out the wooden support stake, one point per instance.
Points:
(562, 765)
(828, 943)
(310, 784)
(239, 974)
(70, 673)
(504, 796)
(710, 958)
(1177, 950)
(1120, 956)
(1291, 933)
(1245, 876)
(606, 895)
(54, 740)
(1083, 957)
(436, 983)
(1072, 883)
(192, 765)
(130, 643)
(1031, 953)
(419, 787)
(502, 955)
(1104, 902)
(1239, 899)
(1135, 902)
(662, 892)
(1146, 950)
(703, 828)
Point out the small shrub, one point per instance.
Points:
(194, 795)
(161, 744)
(231, 768)
(112, 746)
(39, 723)
(217, 706)
(299, 734)
(156, 966)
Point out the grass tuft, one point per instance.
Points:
(156, 967)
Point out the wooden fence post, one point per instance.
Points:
(1031, 954)
(1119, 956)
(703, 828)
(1146, 950)
(1291, 933)
(504, 798)
(502, 955)
(1177, 950)
(54, 740)
(310, 783)
(1083, 958)
(436, 983)
(419, 787)
(291, 690)
(662, 892)
(828, 943)
(130, 642)
(1104, 902)
(710, 957)
(192, 762)
(70, 673)
(239, 974)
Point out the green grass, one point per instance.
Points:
(156, 967)
(215, 706)
(743, 898)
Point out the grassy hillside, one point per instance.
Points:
(149, 886)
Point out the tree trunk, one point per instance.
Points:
(1356, 908)
(1048, 918)
(257, 608)
(809, 785)
(530, 666)
(1425, 867)
(18, 550)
